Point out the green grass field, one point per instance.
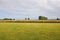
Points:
(29, 31)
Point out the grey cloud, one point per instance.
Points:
(47, 8)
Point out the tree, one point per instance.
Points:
(8, 19)
(42, 18)
(25, 18)
(28, 18)
(13, 19)
(58, 19)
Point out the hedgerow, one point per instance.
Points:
(29, 21)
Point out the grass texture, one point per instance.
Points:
(29, 31)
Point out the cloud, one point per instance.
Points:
(47, 8)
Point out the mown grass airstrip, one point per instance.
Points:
(29, 31)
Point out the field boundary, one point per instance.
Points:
(29, 21)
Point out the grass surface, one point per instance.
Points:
(29, 31)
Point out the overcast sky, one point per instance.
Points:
(21, 9)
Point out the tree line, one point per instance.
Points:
(39, 18)
(7, 19)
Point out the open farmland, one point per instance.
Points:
(29, 31)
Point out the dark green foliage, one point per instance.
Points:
(28, 18)
(25, 18)
(13, 19)
(8, 19)
(58, 19)
(42, 18)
